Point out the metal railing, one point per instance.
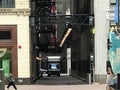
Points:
(73, 19)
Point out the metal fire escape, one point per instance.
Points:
(46, 31)
(46, 22)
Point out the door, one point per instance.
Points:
(5, 60)
(8, 49)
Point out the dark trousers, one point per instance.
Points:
(11, 84)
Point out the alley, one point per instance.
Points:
(62, 80)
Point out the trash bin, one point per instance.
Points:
(2, 85)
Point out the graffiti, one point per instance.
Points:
(2, 51)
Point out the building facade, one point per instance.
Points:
(15, 38)
(15, 49)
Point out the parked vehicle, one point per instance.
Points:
(53, 65)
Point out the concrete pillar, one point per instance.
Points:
(101, 8)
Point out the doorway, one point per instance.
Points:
(8, 49)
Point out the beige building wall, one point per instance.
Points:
(101, 8)
(22, 3)
(19, 16)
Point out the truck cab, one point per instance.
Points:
(53, 65)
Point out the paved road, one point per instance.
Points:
(60, 83)
(59, 87)
(62, 80)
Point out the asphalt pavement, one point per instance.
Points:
(62, 80)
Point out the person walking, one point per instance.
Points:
(11, 82)
(111, 79)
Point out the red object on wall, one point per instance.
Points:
(19, 46)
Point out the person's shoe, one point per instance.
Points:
(7, 88)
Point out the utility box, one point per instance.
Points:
(2, 85)
(53, 65)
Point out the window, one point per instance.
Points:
(112, 2)
(67, 7)
(5, 35)
(7, 3)
(60, 8)
(63, 7)
(54, 66)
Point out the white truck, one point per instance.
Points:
(53, 65)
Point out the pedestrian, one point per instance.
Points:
(11, 82)
(111, 79)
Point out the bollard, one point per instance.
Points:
(2, 85)
(89, 78)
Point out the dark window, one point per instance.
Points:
(0, 3)
(53, 66)
(5, 35)
(7, 3)
(63, 7)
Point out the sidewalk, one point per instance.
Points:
(60, 87)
